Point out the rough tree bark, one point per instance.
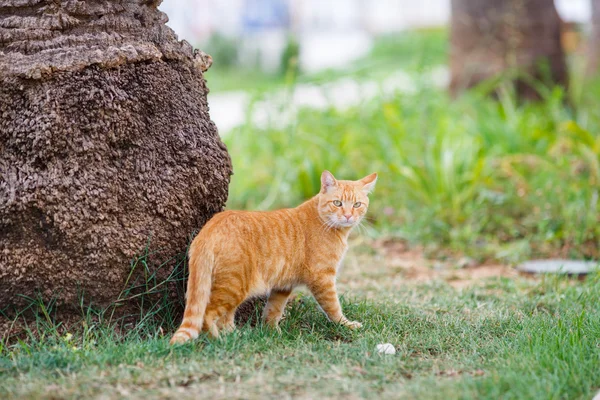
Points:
(594, 43)
(106, 145)
(492, 37)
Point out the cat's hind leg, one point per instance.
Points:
(227, 322)
(224, 300)
(210, 324)
(275, 307)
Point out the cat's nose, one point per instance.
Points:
(348, 217)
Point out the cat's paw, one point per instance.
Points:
(353, 324)
(273, 325)
(178, 339)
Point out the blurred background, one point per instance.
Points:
(482, 117)
(328, 33)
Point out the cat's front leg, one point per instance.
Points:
(323, 288)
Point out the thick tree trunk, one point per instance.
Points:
(594, 42)
(492, 37)
(106, 146)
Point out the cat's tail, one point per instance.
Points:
(198, 293)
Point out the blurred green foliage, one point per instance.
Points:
(289, 65)
(222, 49)
(492, 178)
(409, 51)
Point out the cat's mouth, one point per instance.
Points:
(344, 223)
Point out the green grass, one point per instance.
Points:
(504, 339)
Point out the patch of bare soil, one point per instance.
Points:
(386, 264)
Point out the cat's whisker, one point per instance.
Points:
(323, 227)
(369, 221)
(328, 225)
(360, 227)
(364, 226)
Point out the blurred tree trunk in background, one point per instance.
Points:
(493, 37)
(594, 43)
(107, 150)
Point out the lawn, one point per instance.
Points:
(467, 188)
(500, 337)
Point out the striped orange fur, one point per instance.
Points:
(240, 254)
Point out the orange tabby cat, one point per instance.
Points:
(239, 254)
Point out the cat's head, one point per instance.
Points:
(343, 204)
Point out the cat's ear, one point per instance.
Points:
(369, 183)
(327, 181)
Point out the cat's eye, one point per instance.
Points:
(337, 203)
(357, 204)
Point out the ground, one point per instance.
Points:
(460, 331)
(388, 265)
(471, 179)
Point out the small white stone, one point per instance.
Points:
(386, 348)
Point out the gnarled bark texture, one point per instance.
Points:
(491, 37)
(106, 145)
